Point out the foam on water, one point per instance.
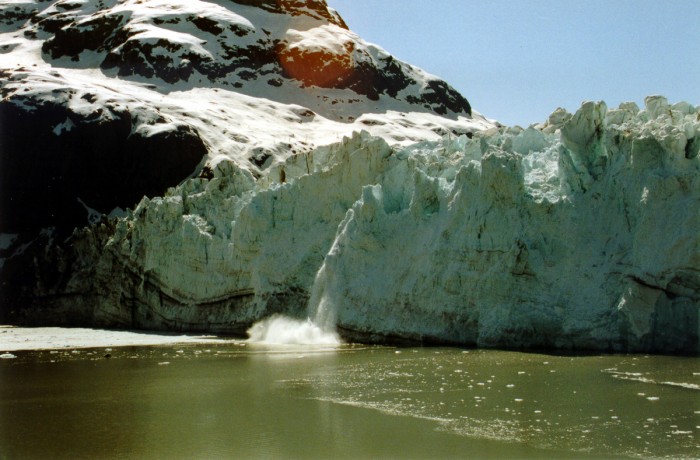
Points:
(637, 377)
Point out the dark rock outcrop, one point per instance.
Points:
(56, 160)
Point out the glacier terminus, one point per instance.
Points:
(203, 166)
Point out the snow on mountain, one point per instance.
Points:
(108, 101)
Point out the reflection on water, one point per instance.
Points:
(250, 401)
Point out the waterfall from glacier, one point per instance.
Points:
(317, 329)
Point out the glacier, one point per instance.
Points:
(179, 166)
(579, 233)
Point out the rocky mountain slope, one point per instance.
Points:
(105, 101)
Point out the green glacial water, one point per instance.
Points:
(238, 400)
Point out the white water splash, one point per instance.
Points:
(282, 330)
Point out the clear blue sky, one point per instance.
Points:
(517, 61)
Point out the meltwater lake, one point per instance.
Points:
(240, 400)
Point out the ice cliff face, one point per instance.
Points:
(582, 238)
(580, 233)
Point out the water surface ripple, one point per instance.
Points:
(246, 400)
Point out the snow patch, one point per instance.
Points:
(65, 126)
(48, 338)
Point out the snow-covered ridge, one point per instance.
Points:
(260, 48)
(579, 233)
